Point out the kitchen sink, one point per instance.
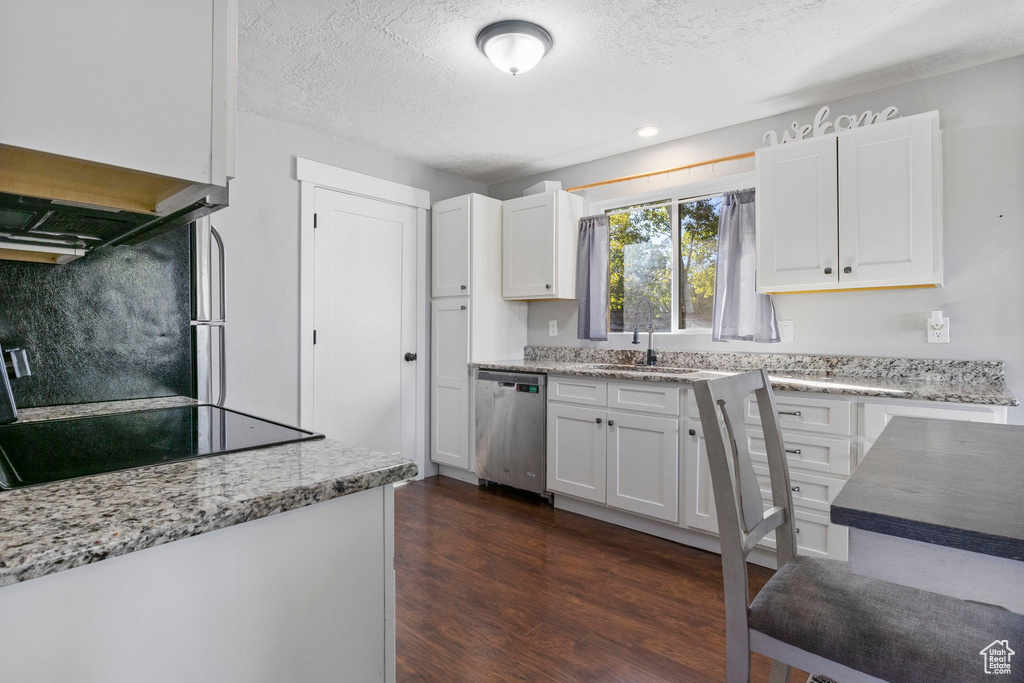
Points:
(661, 370)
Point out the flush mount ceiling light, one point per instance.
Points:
(647, 131)
(514, 46)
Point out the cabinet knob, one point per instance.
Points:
(462, 307)
(462, 286)
(693, 432)
(794, 413)
(796, 489)
(598, 420)
(410, 356)
(828, 271)
(547, 286)
(798, 529)
(847, 270)
(794, 451)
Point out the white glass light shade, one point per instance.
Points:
(515, 47)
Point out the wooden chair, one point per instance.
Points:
(814, 613)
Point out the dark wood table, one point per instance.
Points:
(939, 504)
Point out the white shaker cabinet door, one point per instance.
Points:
(529, 247)
(890, 203)
(449, 406)
(643, 465)
(577, 451)
(450, 246)
(797, 223)
(700, 501)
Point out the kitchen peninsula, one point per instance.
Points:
(186, 571)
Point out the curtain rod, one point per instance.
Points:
(745, 155)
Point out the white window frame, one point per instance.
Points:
(674, 195)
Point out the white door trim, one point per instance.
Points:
(311, 175)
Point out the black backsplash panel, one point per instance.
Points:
(111, 325)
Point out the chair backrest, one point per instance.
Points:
(742, 520)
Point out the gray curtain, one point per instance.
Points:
(592, 279)
(741, 314)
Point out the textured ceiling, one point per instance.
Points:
(406, 77)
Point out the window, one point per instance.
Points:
(665, 248)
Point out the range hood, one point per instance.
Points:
(54, 209)
(51, 226)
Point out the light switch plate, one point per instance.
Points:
(938, 334)
(552, 328)
(787, 330)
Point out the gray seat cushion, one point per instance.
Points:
(893, 632)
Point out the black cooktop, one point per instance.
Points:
(41, 452)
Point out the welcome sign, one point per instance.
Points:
(822, 126)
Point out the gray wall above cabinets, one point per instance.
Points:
(111, 325)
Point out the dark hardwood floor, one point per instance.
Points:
(495, 585)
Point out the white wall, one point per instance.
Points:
(261, 235)
(982, 119)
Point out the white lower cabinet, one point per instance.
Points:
(643, 465)
(622, 444)
(577, 451)
(627, 461)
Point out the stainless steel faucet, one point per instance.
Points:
(652, 355)
(14, 366)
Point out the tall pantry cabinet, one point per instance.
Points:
(470, 321)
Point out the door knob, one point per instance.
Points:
(410, 356)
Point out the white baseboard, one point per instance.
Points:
(690, 537)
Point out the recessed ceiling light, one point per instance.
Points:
(647, 131)
(514, 46)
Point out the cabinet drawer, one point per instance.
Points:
(806, 452)
(828, 416)
(580, 390)
(877, 415)
(646, 397)
(816, 537)
(810, 491)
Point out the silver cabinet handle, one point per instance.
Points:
(794, 451)
(794, 413)
(796, 489)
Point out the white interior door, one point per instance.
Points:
(364, 391)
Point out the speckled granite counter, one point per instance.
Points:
(49, 528)
(973, 382)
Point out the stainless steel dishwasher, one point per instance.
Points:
(511, 436)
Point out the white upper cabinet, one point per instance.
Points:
(890, 203)
(141, 85)
(539, 246)
(797, 223)
(450, 222)
(857, 209)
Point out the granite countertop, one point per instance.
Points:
(49, 528)
(950, 483)
(820, 382)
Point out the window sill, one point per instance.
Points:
(627, 336)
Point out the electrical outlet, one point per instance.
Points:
(552, 328)
(786, 330)
(938, 332)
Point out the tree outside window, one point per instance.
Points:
(642, 257)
